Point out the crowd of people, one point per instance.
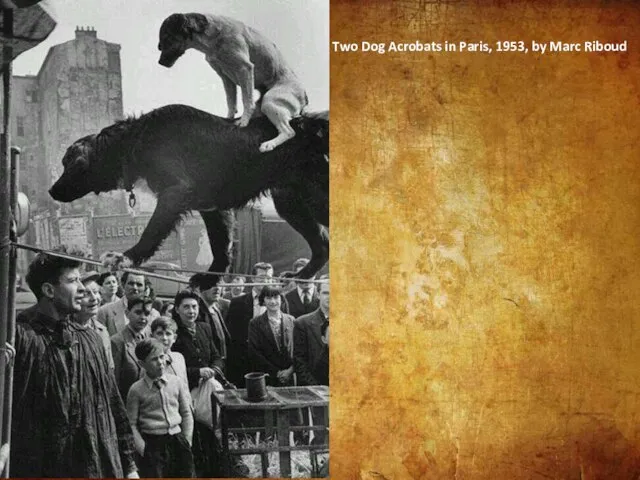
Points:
(107, 377)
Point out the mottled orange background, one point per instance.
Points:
(485, 225)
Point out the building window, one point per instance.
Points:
(114, 61)
(20, 125)
(32, 96)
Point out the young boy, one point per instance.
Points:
(159, 410)
(165, 330)
(126, 368)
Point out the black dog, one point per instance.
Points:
(196, 161)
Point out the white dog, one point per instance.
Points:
(242, 57)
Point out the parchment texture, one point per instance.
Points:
(485, 225)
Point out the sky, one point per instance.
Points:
(300, 29)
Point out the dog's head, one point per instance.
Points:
(315, 125)
(78, 177)
(176, 32)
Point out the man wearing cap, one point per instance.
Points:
(215, 300)
(303, 298)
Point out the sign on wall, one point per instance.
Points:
(74, 232)
(120, 232)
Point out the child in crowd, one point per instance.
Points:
(165, 330)
(166, 309)
(159, 411)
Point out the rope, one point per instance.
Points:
(149, 271)
(6, 244)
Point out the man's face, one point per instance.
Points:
(238, 288)
(263, 275)
(155, 364)
(67, 294)
(165, 336)
(134, 286)
(139, 316)
(91, 299)
(212, 295)
(110, 286)
(323, 293)
(306, 286)
(188, 311)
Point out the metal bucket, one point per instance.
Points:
(256, 386)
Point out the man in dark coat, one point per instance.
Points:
(213, 297)
(214, 309)
(241, 310)
(302, 299)
(68, 419)
(211, 315)
(311, 349)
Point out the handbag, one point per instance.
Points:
(201, 401)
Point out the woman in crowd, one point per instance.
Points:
(203, 361)
(271, 339)
(109, 286)
(271, 347)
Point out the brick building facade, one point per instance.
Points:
(77, 92)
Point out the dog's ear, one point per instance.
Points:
(316, 123)
(315, 126)
(194, 23)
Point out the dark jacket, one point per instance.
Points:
(27, 315)
(237, 321)
(213, 317)
(68, 417)
(199, 351)
(125, 363)
(223, 306)
(310, 353)
(264, 354)
(297, 307)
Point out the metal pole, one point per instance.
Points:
(5, 214)
(11, 311)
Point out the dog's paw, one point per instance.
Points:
(126, 262)
(115, 261)
(267, 146)
(109, 259)
(243, 121)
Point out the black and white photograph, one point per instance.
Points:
(164, 239)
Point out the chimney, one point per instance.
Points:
(87, 32)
